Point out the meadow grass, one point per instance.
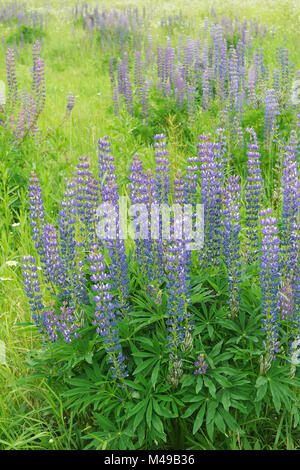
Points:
(32, 414)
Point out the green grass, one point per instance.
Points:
(32, 414)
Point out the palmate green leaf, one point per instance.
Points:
(157, 424)
(137, 408)
(199, 418)
(139, 415)
(210, 385)
(223, 381)
(296, 415)
(238, 405)
(141, 431)
(144, 321)
(216, 349)
(210, 427)
(187, 380)
(219, 422)
(261, 381)
(210, 330)
(190, 410)
(149, 414)
(146, 341)
(156, 407)
(199, 329)
(104, 423)
(229, 420)
(164, 397)
(134, 385)
(199, 383)
(142, 354)
(225, 399)
(211, 410)
(154, 375)
(258, 407)
(261, 392)
(223, 357)
(144, 365)
(275, 395)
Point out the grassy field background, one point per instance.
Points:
(32, 414)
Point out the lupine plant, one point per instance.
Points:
(89, 300)
(149, 340)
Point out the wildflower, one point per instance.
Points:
(115, 245)
(201, 365)
(70, 102)
(62, 323)
(11, 263)
(11, 78)
(291, 194)
(286, 300)
(179, 323)
(270, 258)
(211, 190)
(36, 212)
(72, 265)
(139, 195)
(231, 251)
(86, 188)
(253, 195)
(32, 289)
(52, 263)
(105, 318)
(162, 168)
(271, 113)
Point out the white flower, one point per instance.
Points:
(11, 263)
(295, 347)
(5, 279)
(16, 224)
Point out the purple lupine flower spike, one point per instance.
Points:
(201, 365)
(51, 261)
(211, 189)
(86, 188)
(270, 278)
(253, 195)
(33, 290)
(179, 323)
(62, 324)
(139, 195)
(231, 243)
(115, 244)
(105, 317)
(70, 102)
(271, 113)
(162, 168)
(72, 264)
(36, 212)
(11, 78)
